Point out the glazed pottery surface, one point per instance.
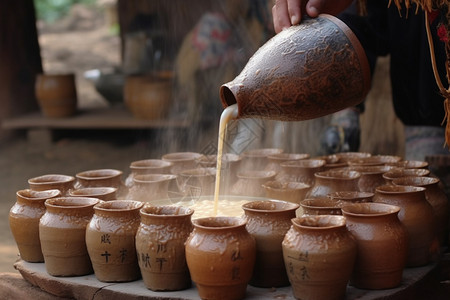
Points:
(220, 255)
(160, 246)
(300, 171)
(319, 254)
(62, 231)
(293, 75)
(287, 191)
(52, 181)
(382, 244)
(250, 183)
(331, 181)
(182, 161)
(110, 240)
(24, 218)
(417, 215)
(56, 94)
(151, 187)
(268, 221)
(102, 193)
(436, 197)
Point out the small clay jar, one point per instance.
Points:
(250, 183)
(331, 181)
(62, 231)
(397, 173)
(435, 195)
(332, 161)
(257, 159)
(300, 171)
(320, 206)
(287, 191)
(220, 254)
(319, 253)
(231, 163)
(147, 166)
(354, 155)
(52, 181)
(110, 240)
(375, 160)
(24, 218)
(151, 187)
(268, 221)
(371, 176)
(56, 94)
(410, 164)
(160, 242)
(182, 161)
(349, 197)
(275, 160)
(382, 244)
(99, 178)
(102, 193)
(198, 181)
(416, 214)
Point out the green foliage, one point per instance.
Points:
(52, 10)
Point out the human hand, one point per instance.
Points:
(289, 12)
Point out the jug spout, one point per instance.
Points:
(306, 71)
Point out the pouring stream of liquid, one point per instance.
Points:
(228, 114)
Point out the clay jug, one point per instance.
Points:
(320, 206)
(275, 160)
(151, 187)
(268, 221)
(160, 247)
(416, 214)
(52, 181)
(371, 176)
(102, 193)
(147, 166)
(220, 254)
(296, 73)
(319, 254)
(56, 94)
(300, 171)
(257, 159)
(287, 191)
(397, 173)
(110, 240)
(436, 197)
(182, 161)
(250, 183)
(24, 218)
(382, 244)
(331, 181)
(62, 231)
(198, 182)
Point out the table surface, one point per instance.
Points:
(88, 287)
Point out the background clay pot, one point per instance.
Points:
(56, 94)
(151, 187)
(198, 182)
(313, 67)
(147, 166)
(375, 160)
(331, 181)
(300, 171)
(220, 255)
(416, 214)
(62, 231)
(182, 161)
(250, 183)
(110, 240)
(24, 218)
(52, 181)
(268, 221)
(320, 206)
(319, 254)
(382, 244)
(397, 173)
(102, 193)
(102, 178)
(287, 191)
(257, 159)
(371, 176)
(160, 242)
(349, 197)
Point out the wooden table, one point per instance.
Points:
(88, 287)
